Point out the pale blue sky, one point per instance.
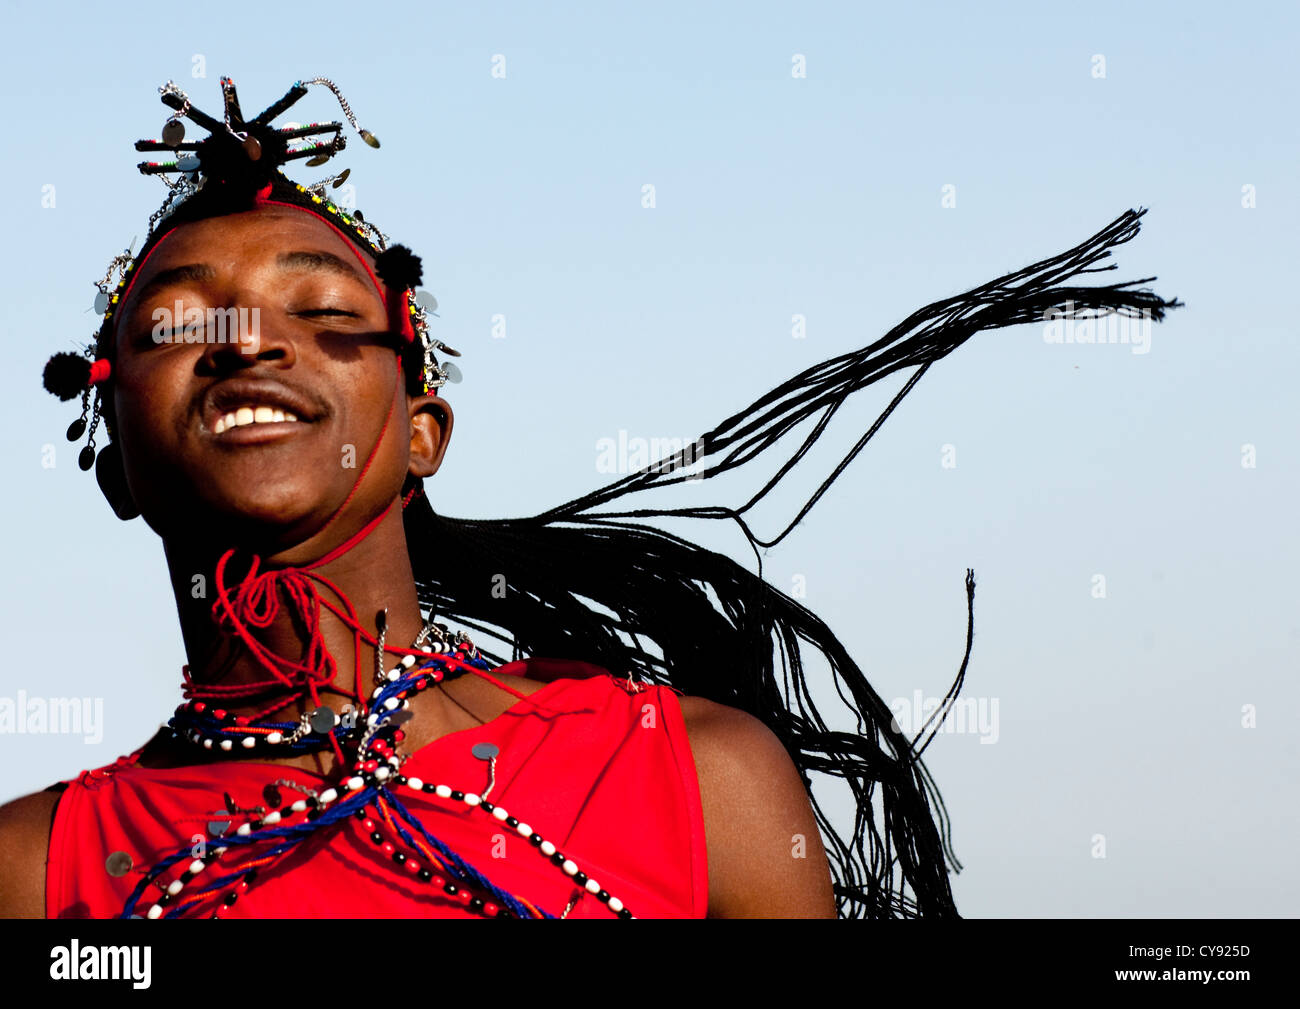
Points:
(778, 196)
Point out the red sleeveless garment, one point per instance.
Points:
(598, 767)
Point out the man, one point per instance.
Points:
(274, 488)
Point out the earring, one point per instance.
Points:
(112, 481)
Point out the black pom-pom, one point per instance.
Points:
(67, 375)
(399, 268)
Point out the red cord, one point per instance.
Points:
(256, 600)
(256, 603)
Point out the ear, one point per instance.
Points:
(431, 423)
(112, 482)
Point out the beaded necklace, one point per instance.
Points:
(368, 795)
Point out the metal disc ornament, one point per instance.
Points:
(216, 828)
(188, 163)
(426, 301)
(118, 864)
(253, 148)
(320, 159)
(451, 371)
(369, 138)
(341, 178)
(323, 720)
(484, 751)
(101, 303)
(173, 132)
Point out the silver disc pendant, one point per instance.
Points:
(173, 132)
(253, 148)
(323, 720)
(341, 178)
(319, 160)
(484, 751)
(451, 371)
(101, 303)
(425, 300)
(118, 864)
(188, 163)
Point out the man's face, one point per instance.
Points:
(307, 359)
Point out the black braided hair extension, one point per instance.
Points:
(531, 583)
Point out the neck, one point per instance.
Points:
(374, 575)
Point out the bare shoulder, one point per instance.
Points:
(766, 858)
(24, 845)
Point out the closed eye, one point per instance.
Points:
(329, 311)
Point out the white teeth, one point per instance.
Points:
(252, 415)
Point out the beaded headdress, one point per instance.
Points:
(239, 166)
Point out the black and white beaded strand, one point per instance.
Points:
(369, 784)
(546, 848)
(365, 786)
(218, 730)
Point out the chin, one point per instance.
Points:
(222, 512)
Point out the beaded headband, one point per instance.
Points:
(239, 166)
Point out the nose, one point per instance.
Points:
(236, 339)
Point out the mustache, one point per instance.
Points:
(257, 385)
